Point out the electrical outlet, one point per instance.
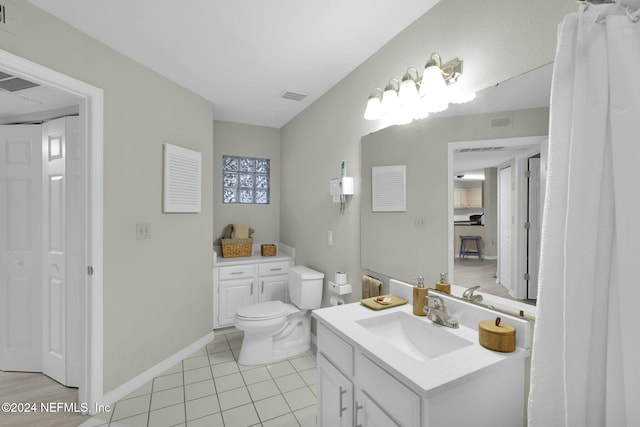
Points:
(143, 231)
(329, 238)
(420, 222)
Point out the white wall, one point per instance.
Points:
(235, 139)
(495, 39)
(157, 292)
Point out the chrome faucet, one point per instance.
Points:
(438, 314)
(468, 294)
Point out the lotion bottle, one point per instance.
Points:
(420, 292)
(443, 285)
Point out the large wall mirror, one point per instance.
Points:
(476, 169)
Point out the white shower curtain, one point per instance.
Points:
(586, 352)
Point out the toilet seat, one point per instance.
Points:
(264, 311)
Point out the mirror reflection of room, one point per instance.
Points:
(484, 183)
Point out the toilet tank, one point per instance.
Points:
(305, 287)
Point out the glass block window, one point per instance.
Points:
(245, 180)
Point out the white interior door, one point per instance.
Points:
(20, 248)
(533, 234)
(54, 232)
(505, 220)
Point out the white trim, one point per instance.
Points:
(135, 383)
(92, 108)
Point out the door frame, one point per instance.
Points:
(92, 113)
(512, 208)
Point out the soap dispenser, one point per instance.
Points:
(420, 292)
(443, 285)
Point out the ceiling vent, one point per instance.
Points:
(294, 96)
(477, 149)
(15, 84)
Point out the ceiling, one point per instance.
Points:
(243, 55)
(18, 103)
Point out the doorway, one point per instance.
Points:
(506, 161)
(89, 301)
(42, 257)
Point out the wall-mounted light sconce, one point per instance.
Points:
(390, 101)
(414, 97)
(408, 93)
(374, 105)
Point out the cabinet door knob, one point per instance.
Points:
(276, 269)
(251, 289)
(262, 288)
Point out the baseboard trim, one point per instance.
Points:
(119, 392)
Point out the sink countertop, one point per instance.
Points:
(424, 377)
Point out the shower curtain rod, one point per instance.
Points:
(618, 2)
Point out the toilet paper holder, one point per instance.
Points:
(340, 289)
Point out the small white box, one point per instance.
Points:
(339, 289)
(341, 186)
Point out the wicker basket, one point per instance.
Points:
(234, 248)
(268, 249)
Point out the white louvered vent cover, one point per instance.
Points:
(182, 179)
(294, 96)
(388, 184)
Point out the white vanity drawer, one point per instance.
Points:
(273, 268)
(396, 399)
(235, 272)
(338, 351)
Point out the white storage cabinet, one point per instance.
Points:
(242, 281)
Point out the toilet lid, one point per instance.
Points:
(263, 310)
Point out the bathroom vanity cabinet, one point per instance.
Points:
(360, 393)
(249, 280)
(366, 378)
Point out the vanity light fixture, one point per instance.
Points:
(414, 97)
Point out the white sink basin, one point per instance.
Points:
(418, 338)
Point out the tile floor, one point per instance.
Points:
(211, 389)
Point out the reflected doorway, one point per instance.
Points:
(508, 247)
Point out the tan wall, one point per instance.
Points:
(157, 292)
(490, 199)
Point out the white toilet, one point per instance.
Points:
(275, 330)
